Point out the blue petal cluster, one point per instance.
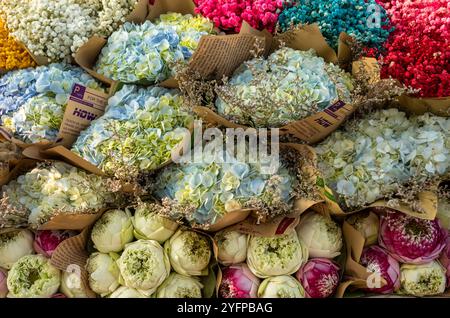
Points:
(32, 101)
(364, 20)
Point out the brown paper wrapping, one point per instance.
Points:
(419, 106)
(88, 54)
(219, 56)
(72, 221)
(72, 252)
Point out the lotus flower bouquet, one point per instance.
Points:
(373, 157)
(203, 191)
(33, 276)
(147, 53)
(41, 99)
(289, 85)
(136, 134)
(59, 28)
(50, 190)
(364, 20)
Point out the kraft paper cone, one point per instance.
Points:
(419, 106)
(277, 226)
(71, 254)
(219, 56)
(88, 54)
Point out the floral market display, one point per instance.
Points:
(50, 190)
(406, 255)
(12, 54)
(366, 21)
(148, 52)
(228, 15)
(141, 268)
(287, 86)
(33, 101)
(347, 195)
(281, 266)
(56, 29)
(417, 52)
(137, 132)
(375, 157)
(220, 182)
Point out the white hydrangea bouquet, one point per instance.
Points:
(136, 134)
(147, 53)
(289, 85)
(376, 156)
(50, 190)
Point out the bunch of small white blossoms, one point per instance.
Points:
(56, 29)
(289, 85)
(49, 190)
(376, 156)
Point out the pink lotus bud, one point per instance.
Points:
(3, 286)
(378, 261)
(238, 282)
(445, 260)
(45, 242)
(411, 240)
(319, 277)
